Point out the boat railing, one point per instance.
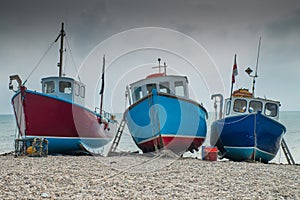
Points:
(105, 114)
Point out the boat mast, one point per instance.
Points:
(61, 50)
(102, 86)
(255, 75)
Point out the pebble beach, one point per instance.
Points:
(144, 177)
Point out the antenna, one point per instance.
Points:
(165, 69)
(159, 64)
(258, 51)
(249, 70)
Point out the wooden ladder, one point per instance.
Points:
(117, 138)
(287, 152)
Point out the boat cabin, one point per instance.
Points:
(64, 88)
(246, 104)
(173, 85)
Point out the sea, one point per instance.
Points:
(291, 120)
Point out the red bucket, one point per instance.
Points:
(210, 153)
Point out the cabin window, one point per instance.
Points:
(240, 105)
(227, 111)
(150, 87)
(164, 87)
(138, 93)
(65, 87)
(179, 90)
(82, 91)
(271, 109)
(76, 89)
(255, 106)
(49, 87)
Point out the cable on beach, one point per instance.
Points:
(136, 165)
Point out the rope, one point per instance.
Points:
(294, 131)
(39, 62)
(17, 136)
(19, 125)
(236, 121)
(255, 137)
(65, 64)
(73, 60)
(133, 166)
(153, 118)
(295, 147)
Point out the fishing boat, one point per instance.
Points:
(248, 128)
(162, 116)
(58, 113)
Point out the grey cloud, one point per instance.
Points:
(285, 27)
(223, 27)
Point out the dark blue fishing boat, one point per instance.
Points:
(248, 128)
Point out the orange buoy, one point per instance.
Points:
(31, 150)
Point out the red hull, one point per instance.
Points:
(41, 115)
(178, 145)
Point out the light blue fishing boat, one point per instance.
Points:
(161, 114)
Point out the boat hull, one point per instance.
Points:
(64, 124)
(165, 121)
(247, 137)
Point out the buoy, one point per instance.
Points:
(31, 150)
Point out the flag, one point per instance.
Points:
(234, 70)
(102, 85)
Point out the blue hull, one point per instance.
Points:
(165, 121)
(247, 137)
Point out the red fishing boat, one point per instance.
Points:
(58, 114)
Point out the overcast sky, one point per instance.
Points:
(195, 38)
